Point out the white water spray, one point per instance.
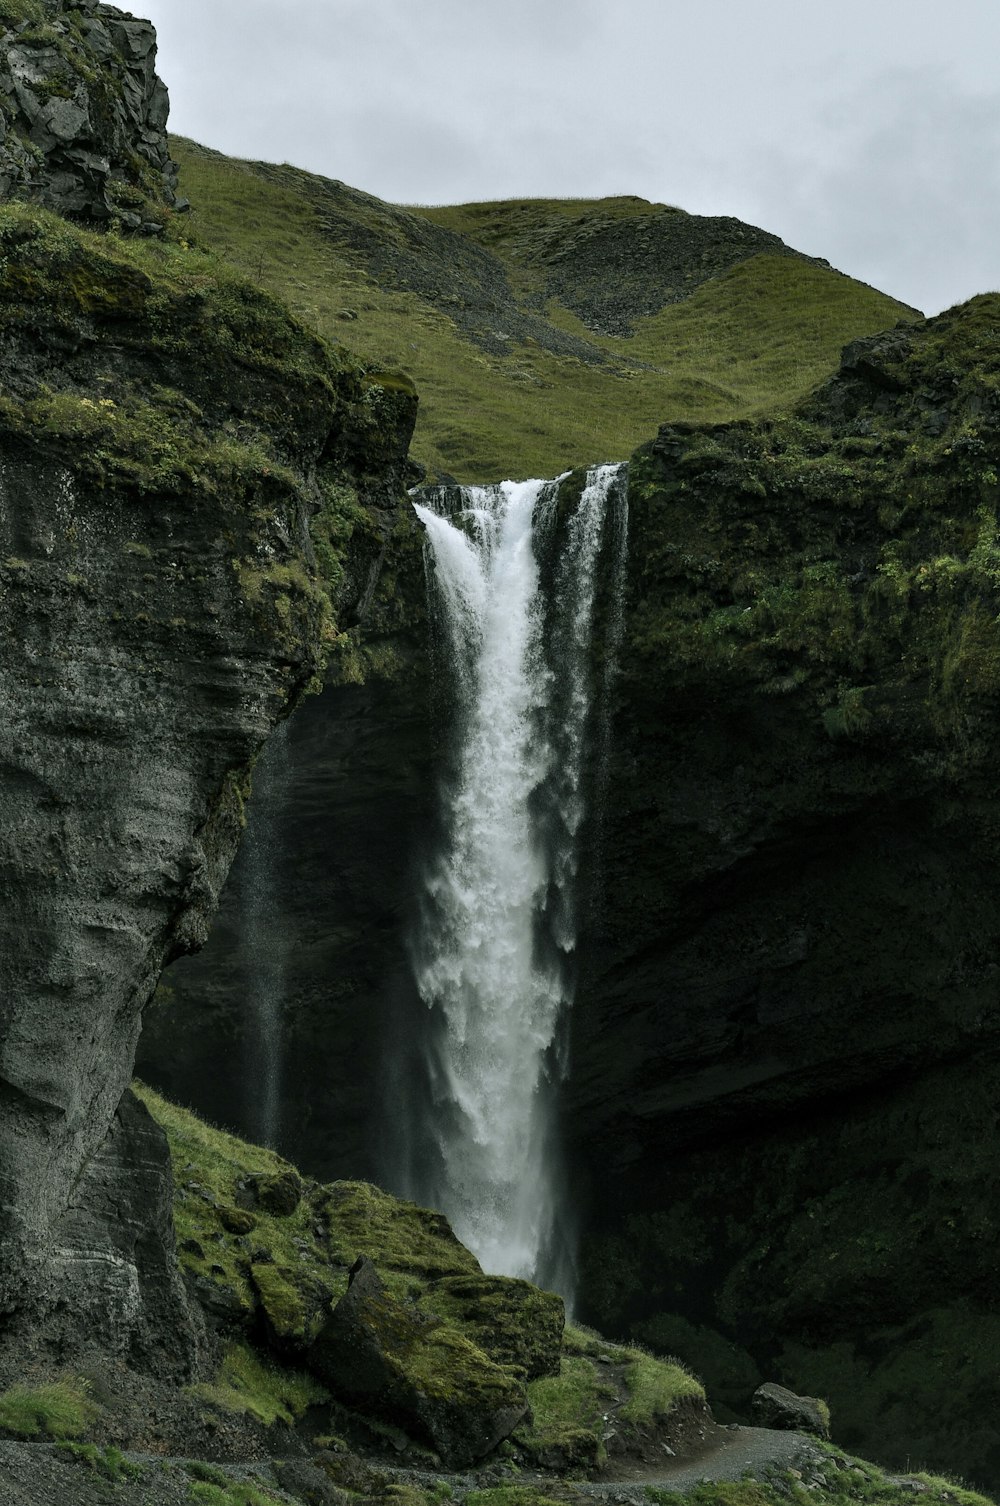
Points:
(490, 960)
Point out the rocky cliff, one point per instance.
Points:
(83, 115)
(169, 437)
(786, 1048)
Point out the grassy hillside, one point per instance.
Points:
(541, 334)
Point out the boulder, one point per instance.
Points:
(773, 1406)
(512, 1321)
(279, 1194)
(387, 1357)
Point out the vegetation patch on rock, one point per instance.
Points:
(58, 1409)
(412, 1341)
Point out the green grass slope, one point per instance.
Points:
(541, 334)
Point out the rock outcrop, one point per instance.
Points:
(83, 115)
(168, 437)
(775, 1407)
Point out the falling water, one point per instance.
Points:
(616, 546)
(262, 947)
(492, 957)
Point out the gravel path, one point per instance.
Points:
(741, 1449)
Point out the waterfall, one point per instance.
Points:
(492, 956)
(262, 944)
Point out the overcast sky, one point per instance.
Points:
(865, 131)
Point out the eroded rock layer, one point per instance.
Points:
(167, 435)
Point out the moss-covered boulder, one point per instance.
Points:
(373, 1295)
(386, 1356)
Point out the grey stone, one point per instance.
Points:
(65, 120)
(774, 1406)
(45, 95)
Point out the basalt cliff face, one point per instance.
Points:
(785, 1052)
(784, 1042)
(176, 451)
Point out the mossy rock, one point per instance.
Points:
(237, 1220)
(450, 1347)
(286, 1311)
(397, 1235)
(512, 1321)
(279, 1194)
(391, 1357)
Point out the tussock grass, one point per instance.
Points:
(221, 1490)
(248, 1385)
(110, 1463)
(61, 1409)
(656, 1387)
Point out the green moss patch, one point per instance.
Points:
(109, 1463)
(513, 1495)
(231, 1493)
(249, 1385)
(295, 1281)
(602, 1392)
(512, 1321)
(13, 11)
(397, 1236)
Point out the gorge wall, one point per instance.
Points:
(791, 969)
(785, 1059)
(175, 452)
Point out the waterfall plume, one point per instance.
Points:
(493, 952)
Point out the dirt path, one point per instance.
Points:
(728, 1457)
